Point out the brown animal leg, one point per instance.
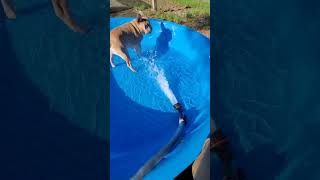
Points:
(138, 49)
(61, 9)
(123, 53)
(8, 9)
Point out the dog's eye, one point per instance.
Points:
(146, 26)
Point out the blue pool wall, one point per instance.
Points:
(147, 128)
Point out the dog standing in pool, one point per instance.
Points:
(127, 36)
(60, 8)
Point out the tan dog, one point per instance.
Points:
(127, 36)
(60, 8)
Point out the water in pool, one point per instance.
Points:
(159, 82)
(161, 78)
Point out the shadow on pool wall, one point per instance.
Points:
(266, 98)
(37, 141)
(162, 42)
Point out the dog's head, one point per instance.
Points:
(166, 32)
(143, 24)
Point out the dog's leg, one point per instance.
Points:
(123, 53)
(130, 66)
(111, 59)
(138, 49)
(8, 9)
(61, 9)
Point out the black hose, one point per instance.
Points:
(151, 163)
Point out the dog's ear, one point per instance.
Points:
(140, 16)
(162, 26)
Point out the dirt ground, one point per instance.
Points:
(166, 10)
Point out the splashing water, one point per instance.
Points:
(164, 85)
(161, 80)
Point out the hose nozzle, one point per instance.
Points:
(179, 108)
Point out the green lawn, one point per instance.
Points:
(197, 6)
(192, 13)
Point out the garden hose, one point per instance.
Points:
(153, 161)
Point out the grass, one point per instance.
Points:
(141, 7)
(136, 5)
(169, 16)
(198, 7)
(204, 5)
(192, 13)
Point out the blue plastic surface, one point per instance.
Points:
(142, 119)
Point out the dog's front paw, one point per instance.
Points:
(133, 70)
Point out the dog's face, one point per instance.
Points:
(144, 24)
